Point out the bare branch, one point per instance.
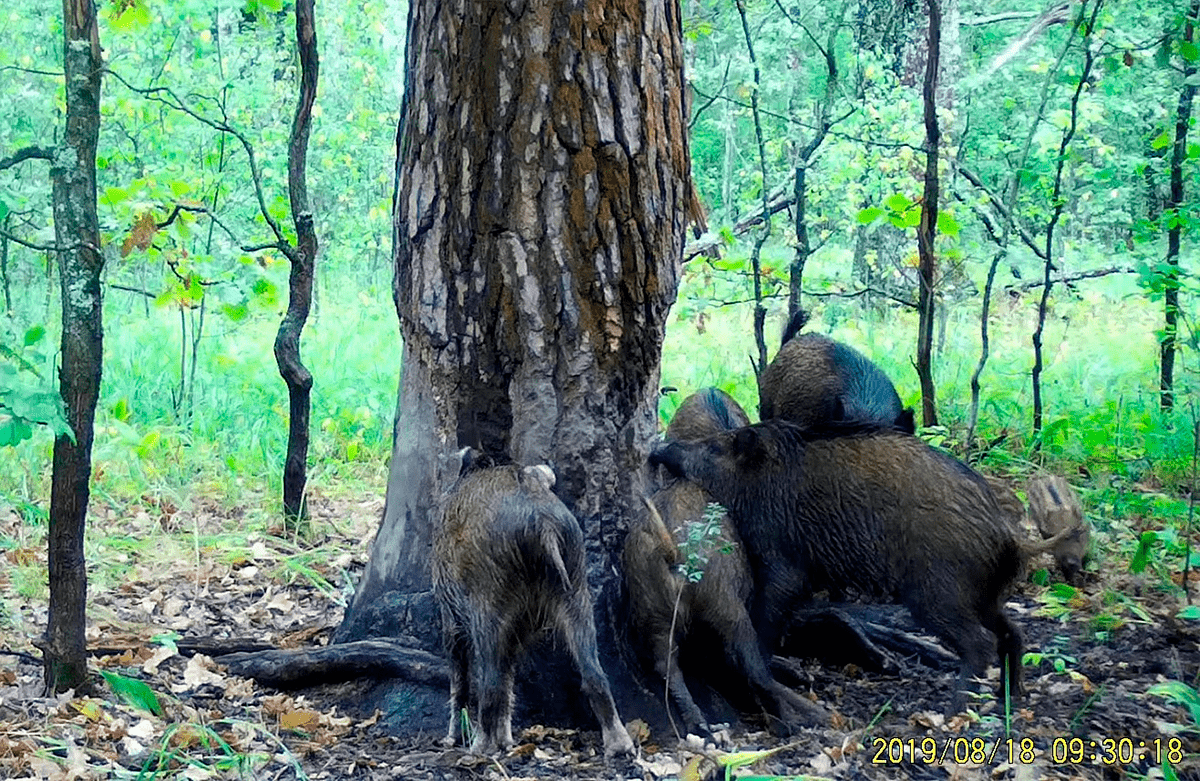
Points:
(1068, 278)
(183, 207)
(260, 247)
(1056, 14)
(167, 97)
(34, 71)
(779, 200)
(128, 289)
(47, 247)
(1005, 16)
(974, 179)
(712, 98)
(28, 153)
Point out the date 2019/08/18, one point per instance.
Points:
(1062, 751)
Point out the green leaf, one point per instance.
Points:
(8, 434)
(869, 215)
(1162, 141)
(1189, 51)
(1168, 772)
(1142, 556)
(897, 202)
(947, 225)
(167, 640)
(132, 17)
(912, 218)
(3, 211)
(1063, 591)
(236, 312)
(34, 335)
(1179, 693)
(114, 195)
(134, 692)
(1191, 612)
(121, 411)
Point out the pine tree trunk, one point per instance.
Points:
(542, 182)
(77, 233)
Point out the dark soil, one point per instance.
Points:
(1094, 719)
(1090, 709)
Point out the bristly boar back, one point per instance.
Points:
(508, 562)
(869, 509)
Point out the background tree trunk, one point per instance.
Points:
(542, 184)
(927, 229)
(77, 232)
(1183, 116)
(300, 282)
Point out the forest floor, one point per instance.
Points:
(1110, 697)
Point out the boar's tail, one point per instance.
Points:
(666, 543)
(551, 544)
(1034, 547)
(794, 326)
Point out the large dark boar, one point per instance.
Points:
(666, 607)
(814, 379)
(872, 510)
(1055, 509)
(508, 562)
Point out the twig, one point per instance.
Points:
(167, 97)
(34, 71)
(48, 247)
(1098, 272)
(128, 289)
(27, 153)
(711, 98)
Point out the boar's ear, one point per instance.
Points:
(747, 445)
(906, 421)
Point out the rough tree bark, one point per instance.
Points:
(300, 281)
(1183, 116)
(539, 217)
(77, 233)
(927, 228)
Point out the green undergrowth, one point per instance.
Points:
(221, 440)
(223, 435)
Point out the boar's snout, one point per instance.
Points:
(669, 455)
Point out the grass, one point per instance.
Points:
(1103, 427)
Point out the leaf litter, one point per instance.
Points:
(1108, 669)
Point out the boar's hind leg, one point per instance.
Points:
(495, 657)
(1010, 647)
(458, 651)
(579, 629)
(787, 709)
(964, 632)
(666, 664)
